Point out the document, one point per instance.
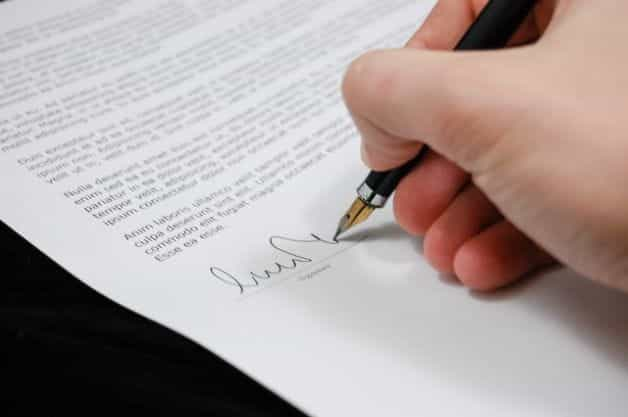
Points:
(189, 159)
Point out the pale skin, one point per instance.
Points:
(528, 164)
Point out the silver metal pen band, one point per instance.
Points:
(366, 194)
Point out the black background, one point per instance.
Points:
(67, 348)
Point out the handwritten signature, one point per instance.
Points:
(254, 279)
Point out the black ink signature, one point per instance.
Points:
(253, 279)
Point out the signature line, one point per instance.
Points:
(287, 277)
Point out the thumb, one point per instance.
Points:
(460, 104)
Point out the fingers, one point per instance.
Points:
(424, 194)
(450, 19)
(466, 234)
(401, 97)
(469, 214)
(496, 257)
(445, 24)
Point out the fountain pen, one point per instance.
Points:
(492, 29)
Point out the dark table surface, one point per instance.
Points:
(67, 348)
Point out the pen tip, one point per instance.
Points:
(342, 227)
(337, 234)
(358, 212)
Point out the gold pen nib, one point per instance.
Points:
(357, 213)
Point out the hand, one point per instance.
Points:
(529, 144)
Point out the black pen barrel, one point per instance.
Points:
(496, 24)
(387, 181)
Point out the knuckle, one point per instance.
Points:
(352, 80)
(368, 81)
(464, 130)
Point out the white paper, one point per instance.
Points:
(169, 153)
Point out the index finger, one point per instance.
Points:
(449, 20)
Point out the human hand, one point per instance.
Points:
(529, 144)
